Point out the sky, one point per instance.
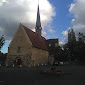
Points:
(57, 17)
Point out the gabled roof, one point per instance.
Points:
(53, 40)
(37, 41)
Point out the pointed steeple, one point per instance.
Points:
(38, 27)
(38, 23)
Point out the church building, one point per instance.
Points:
(28, 48)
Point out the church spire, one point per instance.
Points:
(38, 27)
(38, 23)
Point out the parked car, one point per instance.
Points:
(61, 63)
(56, 63)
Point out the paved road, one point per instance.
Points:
(74, 75)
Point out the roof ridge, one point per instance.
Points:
(32, 31)
(37, 41)
(27, 28)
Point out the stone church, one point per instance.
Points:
(28, 48)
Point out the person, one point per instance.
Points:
(53, 69)
(14, 62)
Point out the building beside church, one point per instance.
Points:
(52, 45)
(27, 47)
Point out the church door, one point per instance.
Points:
(18, 61)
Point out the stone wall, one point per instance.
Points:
(20, 46)
(39, 56)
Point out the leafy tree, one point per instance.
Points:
(2, 41)
(71, 44)
(81, 37)
(76, 50)
(80, 47)
(2, 55)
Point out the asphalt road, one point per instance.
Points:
(74, 75)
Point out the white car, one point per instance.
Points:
(61, 63)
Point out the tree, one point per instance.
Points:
(71, 43)
(80, 47)
(71, 36)
(2, 55)
(75, 49)
(2, 41)
(81, 37)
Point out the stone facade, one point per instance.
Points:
(39, 56)
(21, 48)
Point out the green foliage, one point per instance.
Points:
(76, 50)
(2, 41)
(60, 54)
(3, 58)
(81, 37)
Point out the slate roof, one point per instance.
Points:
(37, 41)
(53, 40)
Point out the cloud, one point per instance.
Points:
(65, 32)
(64, 41)
(44, 33)
(13, 12)
(78, 10)
(51, 30)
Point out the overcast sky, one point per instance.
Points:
(57, 16)
(13, 12)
